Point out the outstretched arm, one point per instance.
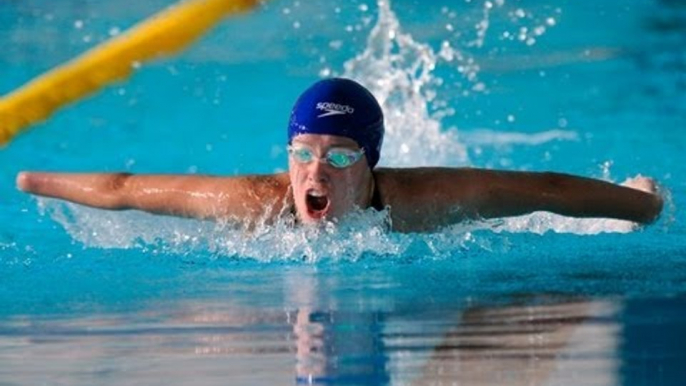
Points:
(423, 198)
(246, 199)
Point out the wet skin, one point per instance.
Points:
(321, 191)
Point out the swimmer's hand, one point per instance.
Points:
(640, 182)
(648, 185)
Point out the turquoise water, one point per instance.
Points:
(93, 297)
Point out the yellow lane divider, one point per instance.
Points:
(162, 34)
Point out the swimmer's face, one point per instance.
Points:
(321, 191)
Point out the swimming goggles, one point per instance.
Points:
(338, 157)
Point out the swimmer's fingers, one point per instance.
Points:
(36, 183)
(642, 183)
(28, 182)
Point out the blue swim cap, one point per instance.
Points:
(340, 107)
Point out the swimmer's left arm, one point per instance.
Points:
(503, 193)
(428, 197)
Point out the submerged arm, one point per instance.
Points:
(244, 198)
(441, 196)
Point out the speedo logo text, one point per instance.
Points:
(333, 109)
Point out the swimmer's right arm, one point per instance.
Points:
(245, 198)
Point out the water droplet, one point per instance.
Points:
(363, 7)
(510, 118)
(336, 44)
(114, 31)
(520, 13)
(296, 24)
(78, 24)
(286, 11)
(550, 21)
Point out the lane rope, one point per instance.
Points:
(162, 34)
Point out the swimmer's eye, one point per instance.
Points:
(342, 158)
(301, 154)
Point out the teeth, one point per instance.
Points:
(315, 193)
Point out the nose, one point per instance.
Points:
(318, 171)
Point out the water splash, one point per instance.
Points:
(399, 71)
(361, 234)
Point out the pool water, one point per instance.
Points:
(95, 297)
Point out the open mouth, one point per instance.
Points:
(317, 203)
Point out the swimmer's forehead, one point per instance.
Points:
(325, 141)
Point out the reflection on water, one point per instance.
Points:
(336, 346)
(550, 341)
(535, 342)
(377, 325)
(531, 340)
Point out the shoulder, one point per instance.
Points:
(421, 178)
(426, 197)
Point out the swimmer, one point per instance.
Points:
(335, 134)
